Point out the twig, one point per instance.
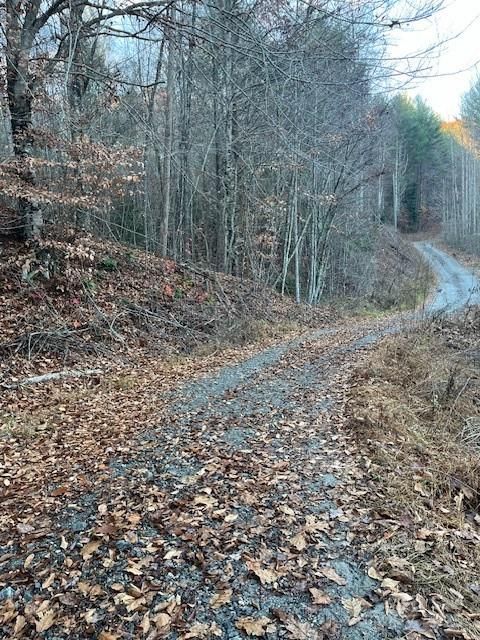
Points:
(55, 375)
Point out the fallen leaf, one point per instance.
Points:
(162, 622)
(266, 576)
(253, 626)
(172, 553)
(92, 616)
(402, 569)
(90, 548)
(83, 587)
(134, 569)
(403, 597)
(134, 518)
(353, 606)
(134, 591)
(353, 621)
(312, 524)
(299, 542)
(373, 573)
(419, 488)
(301, 630)
(59, 491)
(332, 575)
(221, 598)
(424, 534)
(319, 597)
(204, 500)
(46, 621)
(145, 624)
(197, 630)
(49, 581)
(28, 561)
(20, 624)
(388, 583)
(96, 591)
(231, 517)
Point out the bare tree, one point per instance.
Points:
(33, 50)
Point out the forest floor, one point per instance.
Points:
(226, 494)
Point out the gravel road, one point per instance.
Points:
(457, 287)
(231, 511)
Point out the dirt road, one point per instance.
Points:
(457, 287)
(237, 516)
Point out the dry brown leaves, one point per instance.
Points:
(423, 482)
(148, 528)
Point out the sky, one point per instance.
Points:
(451, 67)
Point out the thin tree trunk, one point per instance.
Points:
(20, 91)
(167, 168)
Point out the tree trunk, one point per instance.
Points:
(167, 166)
(20, 90)
(77, 83)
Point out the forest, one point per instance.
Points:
(265, 141)
(239, 323)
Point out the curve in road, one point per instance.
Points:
(251, 481)
(457, 287)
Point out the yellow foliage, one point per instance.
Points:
(460, 132)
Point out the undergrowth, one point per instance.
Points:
(415, 410)
(72, 299)
(399, 280)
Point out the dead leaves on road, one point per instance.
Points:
(319, 597)
(221, 598)
(188, 534)
(332, 575)
(129, 539)
(300, 630)
(255, 626)
(267, 576)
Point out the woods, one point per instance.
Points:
(461, 220)
(239, 370)
(249, 137)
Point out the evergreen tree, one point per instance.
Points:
(420, 133)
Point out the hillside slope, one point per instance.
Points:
(68, 301)
(74, 301)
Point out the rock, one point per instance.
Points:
(77, 526)
(329, 481)
(7, 593)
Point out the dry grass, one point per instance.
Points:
(22, 425)
(415, 408)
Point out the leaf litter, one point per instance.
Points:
(143, 520)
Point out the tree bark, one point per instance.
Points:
(20, 91)
(167, 165)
